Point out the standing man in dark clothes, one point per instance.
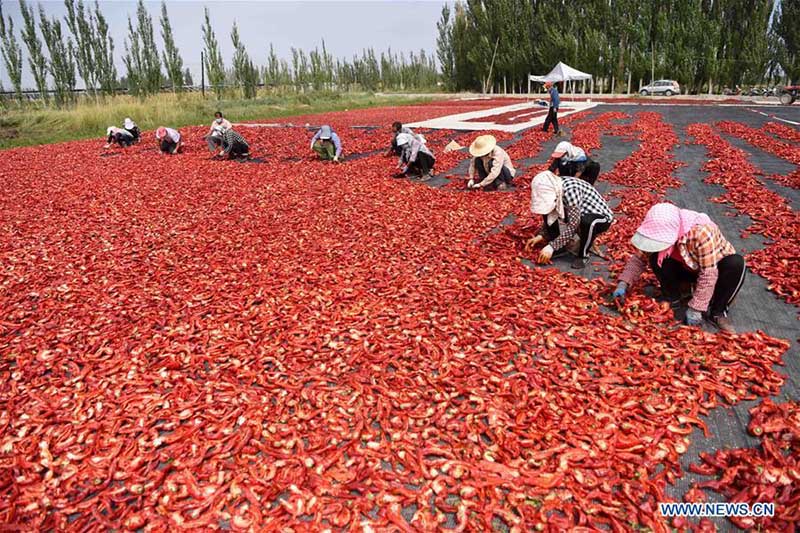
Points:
(552, 113)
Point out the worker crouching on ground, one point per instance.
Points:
(416, 159)
(397, 129)
(686, 248)
(327, 145)
(217, 129)
(169, 140)
(120, 136)
(131, 127)
(573, 215)
(231, 145)
(491, 163)
(569, 160)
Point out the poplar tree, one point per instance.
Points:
(36, 57)
(12, 53)
(245, 74)
(787, 38)
(103, 53)
(215, 67)
(83, 31)
(173, 63)
(61, 64)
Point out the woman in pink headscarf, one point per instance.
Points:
(683, 248)
(169, 140)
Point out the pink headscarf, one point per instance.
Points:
(667, 223)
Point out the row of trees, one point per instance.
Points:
(700, 43)
(86, 49)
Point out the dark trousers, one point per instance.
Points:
(238, 149)
(552, 118)
(591, 172)
(422, 165)
(673, 274)
(167, 145)
(504, 177)
(590, 227)
(121, 139)
(136, 132)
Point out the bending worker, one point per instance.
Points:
(121, 136)
(491, 163)
(326, 144)
(230, 144)
(573, 215)
(415, 157)
(131, 127)
(169, 140)
(397, 129)
(683, 248)
(569, 160)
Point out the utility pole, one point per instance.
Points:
(202, 74)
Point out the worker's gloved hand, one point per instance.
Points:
(471, 184)
(404, 169)
(336, 159)
(532, 242)
(545, 255)
(619, 292)
(693, 317)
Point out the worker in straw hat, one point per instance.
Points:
(491, 163)
(686, 248)
(168, 139)
(573, 215)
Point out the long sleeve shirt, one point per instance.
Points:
(699, 250)
(555, 100)
(337, 143)
(580, 199)
(499, 159)
(231, 137)
(411, 150)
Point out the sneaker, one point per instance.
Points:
(579, 262)
(723, 323)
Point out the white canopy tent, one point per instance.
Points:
(561, 72)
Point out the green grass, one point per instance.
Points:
(34, 125)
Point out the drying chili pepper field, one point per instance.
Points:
(284, 344)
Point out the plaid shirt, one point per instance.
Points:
(580, 198)
(229, 138)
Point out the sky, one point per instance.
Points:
(346, 26)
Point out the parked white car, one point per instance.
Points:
(665, 87)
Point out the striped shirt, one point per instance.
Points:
(580, 198)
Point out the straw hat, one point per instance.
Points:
(482, 146)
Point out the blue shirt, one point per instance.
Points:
(335, 138)
(555, 101)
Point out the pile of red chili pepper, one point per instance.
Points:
(295, 344)
(767, 474)
(772, 215)
(768, 143)
(782, 131)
